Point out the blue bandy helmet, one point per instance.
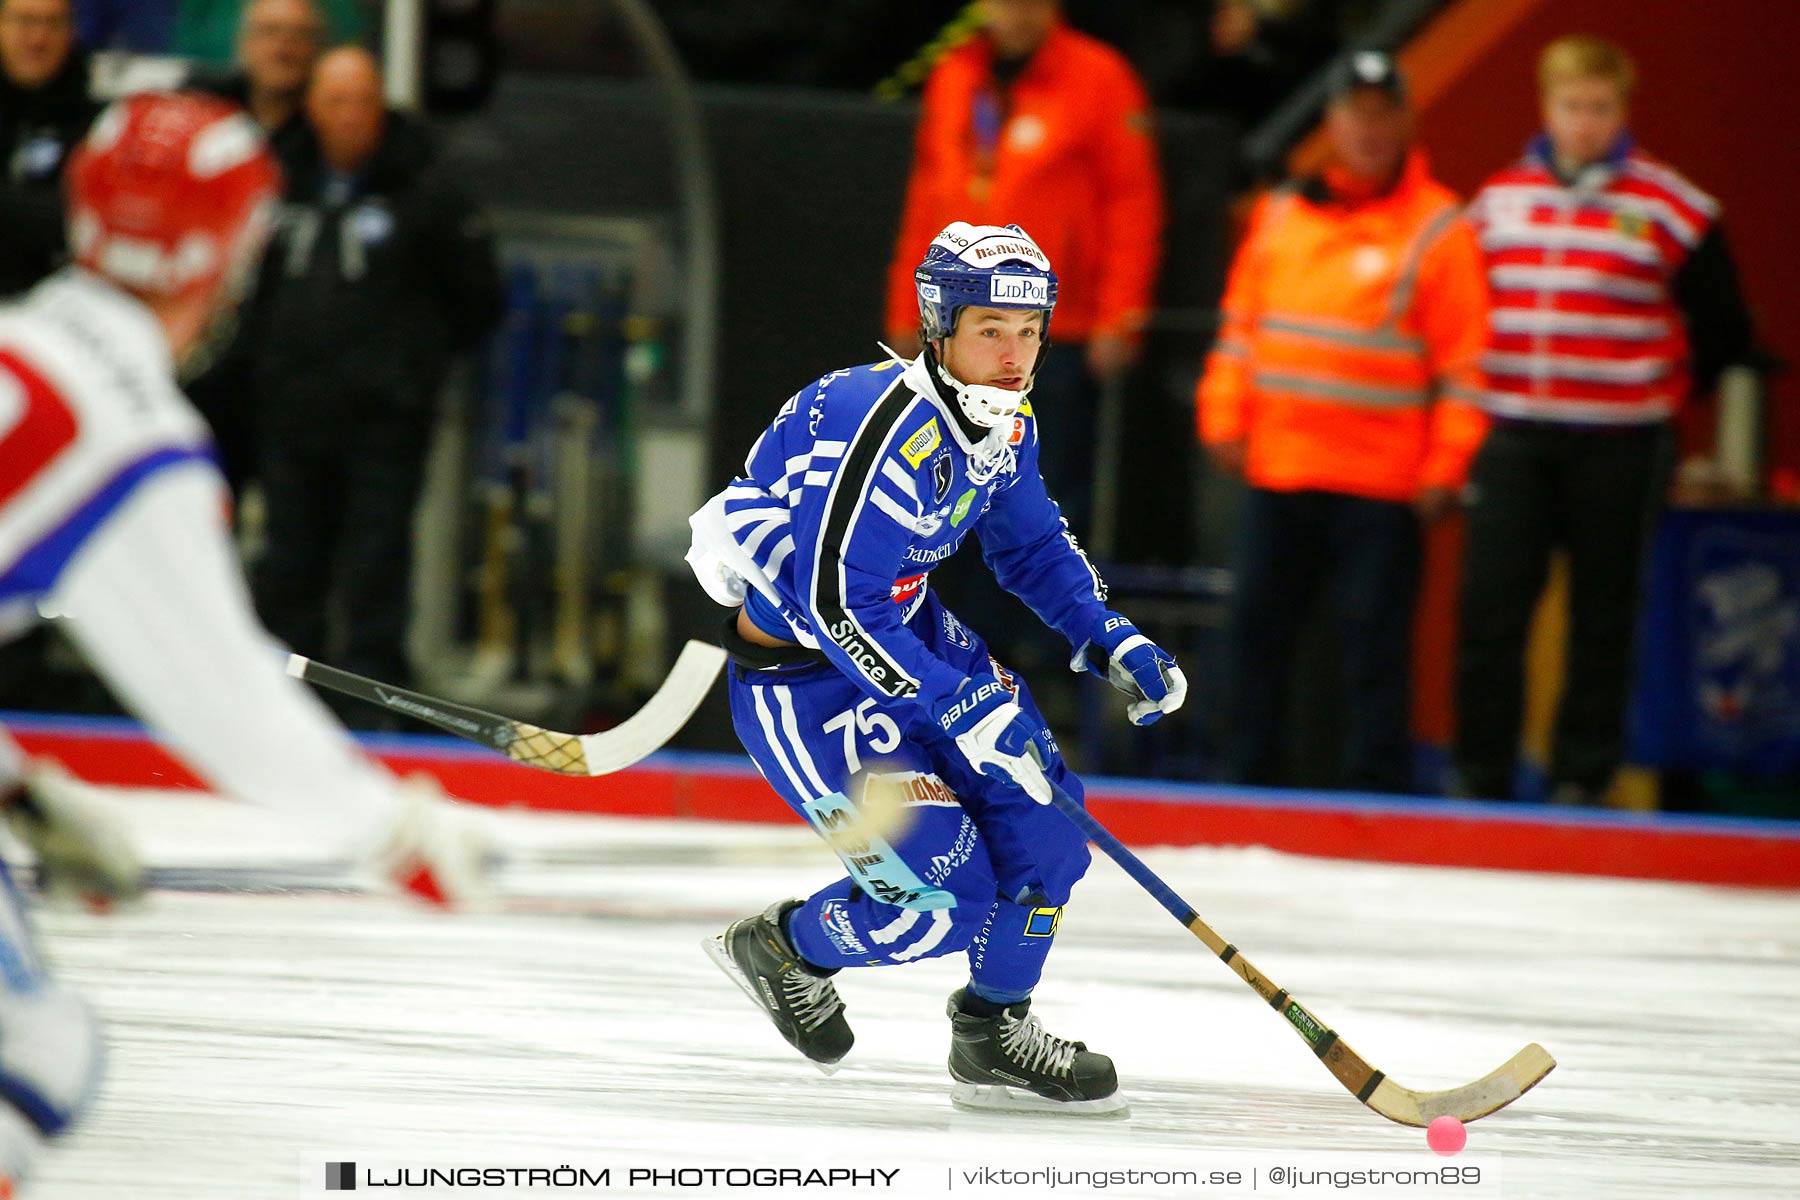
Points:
(987, 266)
(994, 266)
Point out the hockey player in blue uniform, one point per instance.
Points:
(879, 716)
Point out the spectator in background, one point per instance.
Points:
(209, 31)
(380, 271)
(1034, 124)
(44, 111)
(278, 43)
(1342, 386)
(1613, 297)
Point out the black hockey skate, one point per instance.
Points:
(804, 1004)
(1010, 1063)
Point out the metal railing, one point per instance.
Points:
(1267, 145)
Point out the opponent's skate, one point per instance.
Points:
(20, 1145)
(51, 1059)
(803, 1003)
(80, 854)
(1011, 1063)
(51, 1055)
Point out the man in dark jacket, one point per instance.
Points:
(278, 43)
(381, 270)
(44, 110)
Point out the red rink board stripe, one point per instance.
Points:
(1745, 853)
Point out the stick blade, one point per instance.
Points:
(662, 716)
(1491, 1093)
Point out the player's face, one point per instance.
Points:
(1583, 117)
(995, 346)
(1369, 132)
(35, 36)
(278, 42)
(1018, 27)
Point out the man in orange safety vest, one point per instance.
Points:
(1341, 386)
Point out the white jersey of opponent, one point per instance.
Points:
(88, 410)
(113, 516)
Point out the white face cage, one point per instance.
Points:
(983, 404)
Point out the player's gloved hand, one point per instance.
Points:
(995, 735)
(1138, 667)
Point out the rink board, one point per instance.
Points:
(1720, 850)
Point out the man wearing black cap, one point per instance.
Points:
(1341, 388)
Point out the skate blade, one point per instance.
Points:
(996, 1097)
(715, 950)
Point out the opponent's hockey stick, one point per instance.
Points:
(1490, 1093)
(602, 753)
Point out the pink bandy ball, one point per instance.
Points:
(1446, 1135)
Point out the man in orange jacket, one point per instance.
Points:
(1342, 386)
(1034, 124)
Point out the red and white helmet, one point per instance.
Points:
(170, 194)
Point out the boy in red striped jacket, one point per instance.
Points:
(1613, 297)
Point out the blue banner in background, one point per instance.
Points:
(1719, 658)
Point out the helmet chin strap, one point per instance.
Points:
(982, 403)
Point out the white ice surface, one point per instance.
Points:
(255, 1036)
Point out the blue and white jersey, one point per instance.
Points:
(862, 484)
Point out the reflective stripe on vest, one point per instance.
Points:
(1337, 390)
(1386, 337)
(1415, 255)
(1343, 333)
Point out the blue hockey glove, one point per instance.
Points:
(992, 731)
(1138, 667)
